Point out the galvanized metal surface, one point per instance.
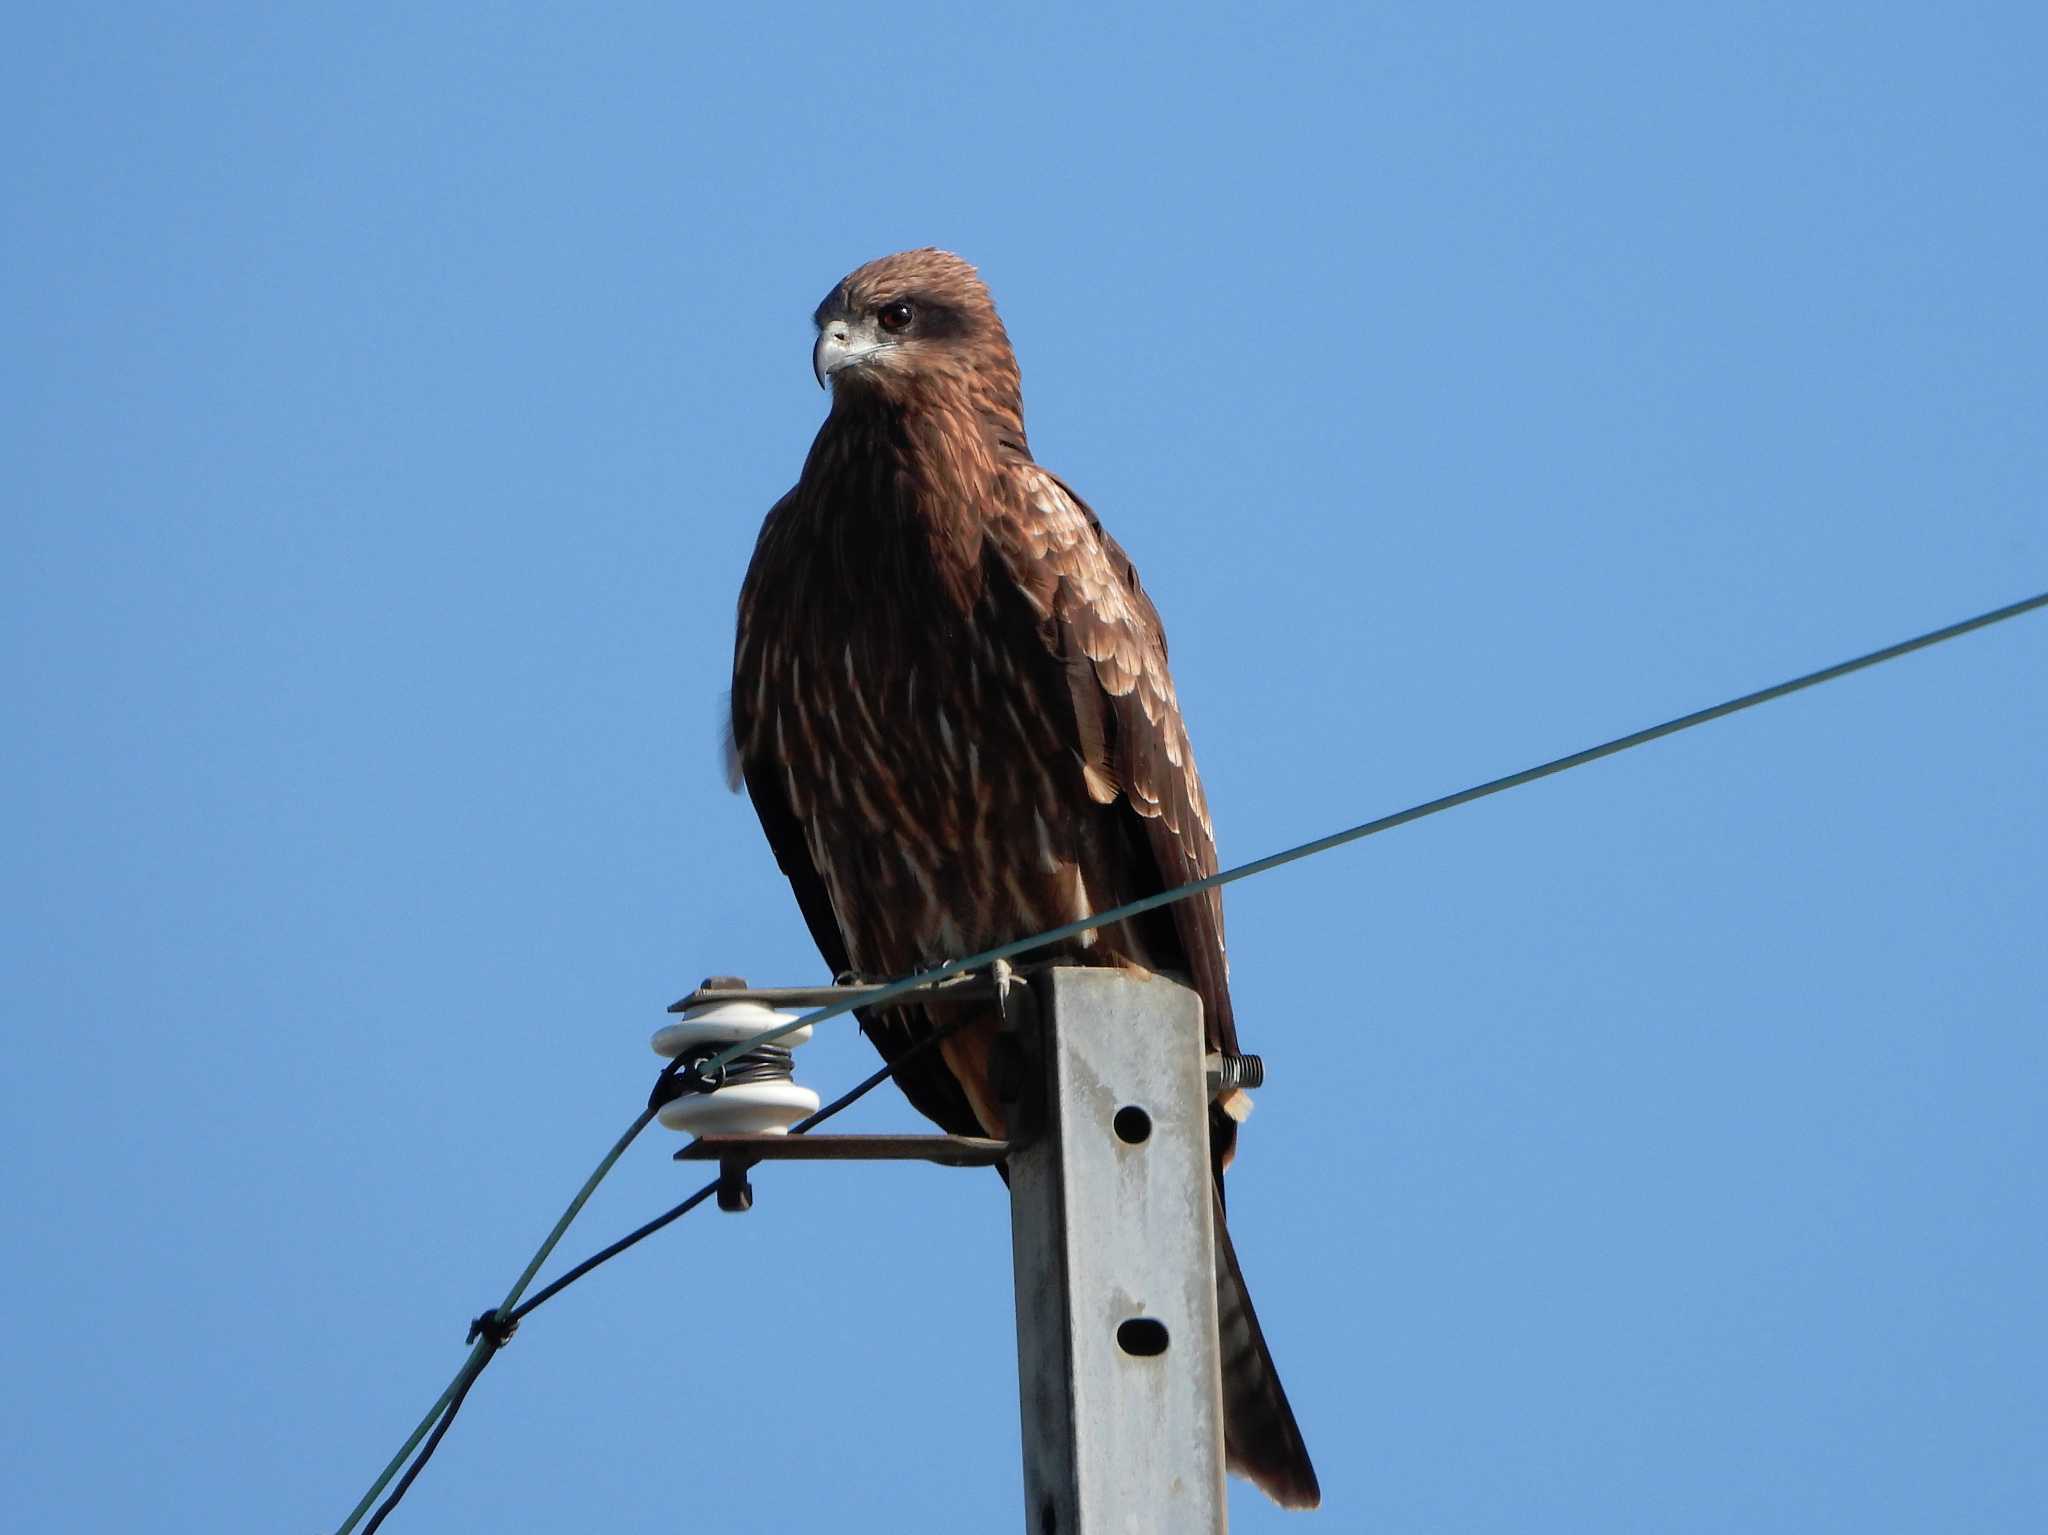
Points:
(737, 1154)
(1114, 1246)
(958, 988)
(948, 1150)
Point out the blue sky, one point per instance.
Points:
(393, 396)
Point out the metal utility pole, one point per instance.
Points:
(1113, 1234)
(1112, 1223)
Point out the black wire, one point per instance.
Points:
(502, 1331)
(764, 1063)
(632, 1238)
(433, 1443)
(869, 1084)
(1385, 823)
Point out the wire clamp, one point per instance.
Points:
(697, 1079)
(492, 1328)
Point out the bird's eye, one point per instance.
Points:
(894, 316)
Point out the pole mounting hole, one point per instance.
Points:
(1132, 1124)
(1142, 1337)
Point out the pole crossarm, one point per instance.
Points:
(946, 1150)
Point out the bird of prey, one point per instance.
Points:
(952, 712)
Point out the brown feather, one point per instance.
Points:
(952, 709)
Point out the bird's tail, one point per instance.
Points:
(1260, 1439)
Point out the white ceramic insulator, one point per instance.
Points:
(745, 1108)
(725, 1023)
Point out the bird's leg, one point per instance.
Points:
(1001, 973)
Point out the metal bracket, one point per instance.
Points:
(973, 986)
(736, 1155)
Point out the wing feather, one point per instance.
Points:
(1128, 732)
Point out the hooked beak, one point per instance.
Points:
(839, 346)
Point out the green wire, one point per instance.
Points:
(472, 1367)
(480, 1354)
(644, 1119)
(955, 967)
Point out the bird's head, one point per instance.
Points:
(913, 323)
